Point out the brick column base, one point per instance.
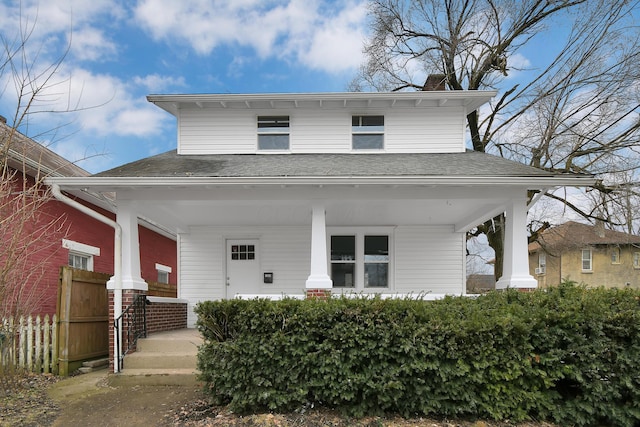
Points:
(319, 293)
(128, 295)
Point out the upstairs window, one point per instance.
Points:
(273, 132)
(367, 132)
(636, 260)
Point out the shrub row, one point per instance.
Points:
(569, 355)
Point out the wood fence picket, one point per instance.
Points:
(31, 345)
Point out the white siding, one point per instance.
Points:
(437, 130)
(407, 130)
(429, 259)
(208, 131)
(285, 251)
(425, 259)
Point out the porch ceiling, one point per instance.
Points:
(345, 206)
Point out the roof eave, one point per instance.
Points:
(529, 182)
(472, 100)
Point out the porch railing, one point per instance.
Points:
(134, 325)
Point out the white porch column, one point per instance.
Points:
(127, 218)
(319, 277)
(515, 268)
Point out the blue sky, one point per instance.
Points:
(121, 51)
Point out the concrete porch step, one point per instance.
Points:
(161, 360)
(160, 377)
(164, 358)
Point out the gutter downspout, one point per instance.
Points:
(117, 255)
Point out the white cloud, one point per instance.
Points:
(90, 44)
(319, 35)
(155, 83)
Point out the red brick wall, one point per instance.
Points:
(156, 248)
(44, 262)
(163, 316)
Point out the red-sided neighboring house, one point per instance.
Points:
(58, 234)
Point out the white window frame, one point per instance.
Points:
(270, 131)
(81, 250)
(583, 259)
(361, 129)
(163, 269)
(360, 233)
(636, 260)
(542, 263)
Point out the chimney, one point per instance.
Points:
(600, 228)
(435, 82)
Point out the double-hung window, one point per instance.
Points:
(273, 133)
(367, 132)
(587, 260)
(360, 260)
(636, 260)
(542, 263)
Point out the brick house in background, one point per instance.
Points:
(66, 236)
(585, 254)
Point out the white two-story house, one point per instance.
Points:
(300, 194)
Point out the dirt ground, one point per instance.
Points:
(89, 400)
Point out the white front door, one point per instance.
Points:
(243, 267)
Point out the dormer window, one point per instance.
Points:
(367, 132)
(273, 132)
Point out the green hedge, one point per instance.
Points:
(569, 355)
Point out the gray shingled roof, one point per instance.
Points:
(38, 159)
(573, 234)
(469, 163)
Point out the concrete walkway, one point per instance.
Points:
(93, 399)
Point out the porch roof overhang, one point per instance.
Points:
(114, 184)
(180, 203)
(458, 189)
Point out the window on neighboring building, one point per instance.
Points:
(81, 261)
(367, 132)
(360, 260)
(542, 263)
(80, 255)
(163, 273)
(636, 260)
(273, 132)
(615, 256)
(587, 260)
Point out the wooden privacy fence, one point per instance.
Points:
(30, 345)
(83, 312)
